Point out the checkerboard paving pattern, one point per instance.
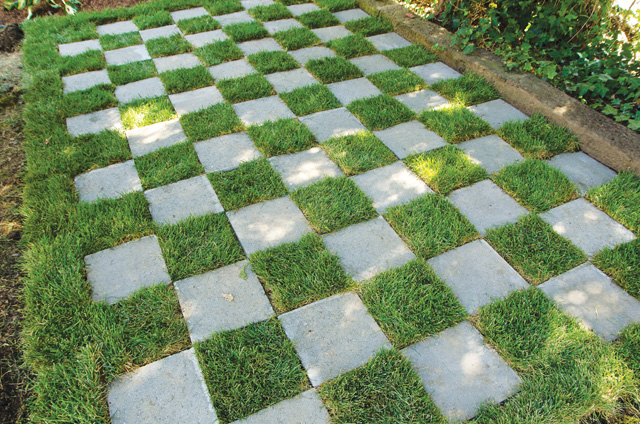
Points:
(168, 108)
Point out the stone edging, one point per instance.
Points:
(602, 138)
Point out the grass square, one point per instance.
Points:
(337, 5)
(222, 7)
(467, 90)
(333, 69)
(352, 46)
(628, 347)
(620, 198)
(380, 112)
(296, 38)
(455, 123)
(538, 138)
(242, 89)
(306, 100)
(93, 151)
(219, 119)
(180, 80)
(358, 153)
(270, 62)
(96, 98)
(74, 31)
(250, 183)
(198, 24)
(534, 250)
(250, 369)
(411, 303)
(272, 12)
(118, 41)
(333, 203)
(246, 31)
(131, 72)
(296, 274)
(410, 56)
(291, 2)
(168, 46)
(622, 263)
(218, 52)
(446, 169)
(280, 137)
(369, 26)
(318, 19)
(430, 225)
(143, 112)
(168, 165)
(93, 60)
(536, 185)
(153, 20)
(397, 81)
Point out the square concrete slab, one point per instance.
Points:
(305, 55)
(374, 64)
(234, 18)
(391, 185)
(388, 41)
(350, 15)
(301, 9)
(476, 274)
(303, 168)
(281, 25)
(250, 4)
(306, 408)
(257, 46)
(584, 171)
(409, 138)
(331, 33)
(95, 122)
(348, 91)
(284, 82)
(168, 391)
(226, 152)
(333, 336)
(419, 101)
(110, 182)
(434, 72)
(491, 152)
(179, 61)
(332, 123)
(116, 273)
(368, 248)
(127, 55)
(203, 38)
(188, 13)
(486, 205)
(587, 294)
(117, 28)
(497, 113)
(151, 87)
(256, 112)
(235, 69)
(220, 300)
(191, 101)
(460, 372)
(74, 49)
(153, 137)
(176, 202)
(161, 32)
(84, 81)
(587, 226)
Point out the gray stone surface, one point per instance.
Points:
(281, 25)
(310, 53)
(85, 80)
(374, 64)
(477, 274)
(236, 69)
(250, 4)
(203, 38)
(350, 15)
(491, 152)
(409, 138)
(191, 101)
(301, 9)
(486, 205)
(584, 171)
(284, 82)
(422, 100)
(331, 33)
(127, 55)
(268, 224)
(497, 113)
(189, 13)
(388, 41)
(587, 294)
(586, 226)
(176, 202)
(368, 248)
(303, 168)
(333, 336)
(460, 372)
(168, 391)
(74, 49)
(151, 87)
(355, 89)
(256, 112)
(306, 408)
(257, 46)
(434, 72)
(223, 299)
(226, 152)
(116, 273)
(95, 122)
(153, 137)
(234, 18)
(332, 123)
(160, 32)
(117, 28)
(110, 182)
(179, 61)
(391, 185)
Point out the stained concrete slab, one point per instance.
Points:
(281, 25)
(388, 41)
(194, 100)
(256, 112)
(477, 274)
(116, 273)
(306, 408)
(410, 138)
(226, 152)
(491, 152)
(303, 168)
(179, 61)
(497, 113)
(332, 123)
(350, 15)
(333, 336)
(160, 32)
(150, 87)
(74, 49)
(301, 9)
(224, 299)
(374, 64)
(331, 33)
(148, 139)
(584, 171)
(127, 55)
(110, 182)
(434, 72)
(235, 69)
(179, 15)
(283, 82)
(419, 101)
(203, 38)
(85, 81)
(460, 372)
(234, 18)
(310, 53)
(257, 46)
(355, 89)
(92, 123)
(116, 28)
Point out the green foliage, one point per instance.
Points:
(70, 6)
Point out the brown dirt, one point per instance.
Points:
(8, 17)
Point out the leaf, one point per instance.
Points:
(610, 110)
(468, 48)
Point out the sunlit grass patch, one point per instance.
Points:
(143, 112)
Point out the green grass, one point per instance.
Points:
(168, 165)
(536, 185)
(296, 38)
(96, 98)
(622, 263)
(291, 2)
(199, 244)
(306, 100)
(352, 46)
(467, 90)
(430, 225)
(410, 56)
(270, 13)
(93, 151)
(219, 119)
(74, 31)
(296, 274)
(93, 60)
(153, 20)
(411, 303)
(251, 87)
(534, 250)
(118, 41)
(223, 7)
(397, 81)
(385, 390)
(250, 183)
(446, 169)
(628, 346)
(249, 369)
(333, 69)
(369, 26)
(280, 137)
(181, 80)
(318, 19)
(198, 24)
(131, 72)
(246, 31)
(380, 112)
(218, 52)
(455, 123)
(358, 153)
(337, 5)
(270, 62)
(537, 138)
(333, 203)
(143, 112)
(168, 46)
(620, 198)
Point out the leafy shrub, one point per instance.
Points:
(70, 6)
